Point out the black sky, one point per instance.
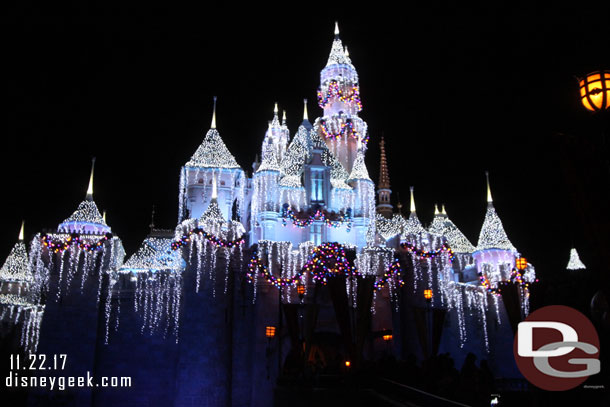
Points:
(455, 89)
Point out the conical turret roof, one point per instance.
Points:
(359, 170)
(212, 153)
(575, 263)
(493, 235)
(155, 254)
(337, 51)
(297, 153)
(269, 162)
(413, 226)
(16, 267)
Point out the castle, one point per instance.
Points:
(305, 261)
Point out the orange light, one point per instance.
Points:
(270, 332)
(300, 289)
(387, 337)
(521, 263)
(348, 363)
(595, 91)
(428, 294)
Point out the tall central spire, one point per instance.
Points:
(384, 207)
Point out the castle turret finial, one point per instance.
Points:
(436, 212)
(213, 126)
(21, 231)
(489, 198)
(443, 211)
(283, 117)
(275, 109)
(336, 28)
(346, 52)
(305, 116)
(412, 200)
(89, 196)
(104, 215)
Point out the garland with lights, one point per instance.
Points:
(255, 266)
(347, 129)
(515, 278)
(288, 213)
(328, 260)
(215, 240)
(60, 245)
(425, 254)
(394, 272)
(334, 91)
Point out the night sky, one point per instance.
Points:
(455, 90)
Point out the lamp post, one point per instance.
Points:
(428, 297)
(270, 334)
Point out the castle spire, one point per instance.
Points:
(305, 116)
(384, 176)
(384, 207)
(489, 198)
(283, 118)
(213, 125)
(412, 207)
(89, 196)
(21, 231)
(436, 212)
(337, 52)
(493, 235)
(443, 211)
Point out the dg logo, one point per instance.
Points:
(556, 348)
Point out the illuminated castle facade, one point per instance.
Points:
(264, 274)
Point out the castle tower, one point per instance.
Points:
(87, 218)
(211, 160)
(277, 136)
(384, 207)
(339, 96)
(495, 254)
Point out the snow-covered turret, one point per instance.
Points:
(495, 254)
(86, 219)
(211, 160)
